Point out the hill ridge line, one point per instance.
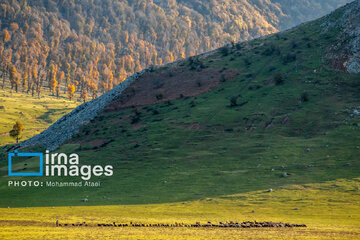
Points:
(68, 125)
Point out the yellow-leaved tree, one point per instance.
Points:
(16, 131)
(71, 90)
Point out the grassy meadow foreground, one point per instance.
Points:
(331, 210)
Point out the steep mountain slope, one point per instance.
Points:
(261, 114)
(96, 44)
(297, 12)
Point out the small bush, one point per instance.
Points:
(158, 83)
(136, 116)
(278, 79)
(196, 64)
(254, 87)
(223, 69)
(249, 75)
(288, 58)
(223, 78)
(304, 97)
(135, 119)
(270, 50)
(233, 101)
(136, 111)
(224, 51)
(247, 62)
(272, 68)
(293, 44)
(159, 96)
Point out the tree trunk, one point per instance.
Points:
(3, 77)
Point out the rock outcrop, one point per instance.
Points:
(345, 54)
(68, 125)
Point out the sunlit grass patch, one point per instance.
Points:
(331, 210)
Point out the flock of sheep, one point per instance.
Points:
(231, 224)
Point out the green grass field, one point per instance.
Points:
(35, 114)
(331, 210)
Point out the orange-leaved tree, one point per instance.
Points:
(52, 78)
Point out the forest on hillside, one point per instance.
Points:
(89, 46)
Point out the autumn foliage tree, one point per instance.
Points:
(71, 90)
(52, 78)
(16, 131)
(14, 77)
(5, 36)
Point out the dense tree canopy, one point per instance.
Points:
(94, 44)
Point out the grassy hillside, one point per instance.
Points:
(35, 114)
(292, 122)
(331, 211)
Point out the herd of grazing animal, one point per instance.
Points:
(77, 224)
(231, 224)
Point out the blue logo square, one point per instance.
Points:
(16, 153)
